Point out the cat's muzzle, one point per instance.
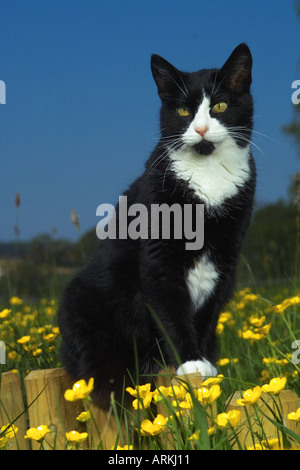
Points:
(204, 147)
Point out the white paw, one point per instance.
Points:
(205, 368)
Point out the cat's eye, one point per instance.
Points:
(184, 112)
(219, 107)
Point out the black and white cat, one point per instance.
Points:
(203, 156)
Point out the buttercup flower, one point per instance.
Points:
(256, 447)
(294, 416)
(24, 339)
(272, 444)
(5, 313)
(126, 447)
(225, 361)
(143, 394)
(187, 403)
(84, 416)
(10, 431)
(153, 429)
(80, 390)
(231, 418)
(7, 432)
(161, 392)
(208, 395)
(250, 396)
(38, 433)
(3, 441)
(256, 321)
(50, 337)
(16, 300)
(275, 385)
(213, 381)
(74, 436)
(195, 436)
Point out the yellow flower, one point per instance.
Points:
(139, 391)
(223, 362)
(225, 317)
(281, 362)
(232, 418)
(3, 441)
(74, 436)
(275, 385)
(250, 396)
(9, 431)
(187, 403)
(256, 447)
(84, 416)
(264, 330)
(272, 444)
(251, 335)
(219, 328)
(153, 429)
(38, 433)
(143, 394)
(50, 337)
(195, 436)
(126, 447)
(250, 297)
(161, 392)
(256, 321)
(80, 390)
(23, 340)
(37, 352)
(269, 360)
(279, 308)
(265, 376)
(294, 416)
(212, 381)
(208, 395)
(178, 392)
(5, 313)
(16, 300)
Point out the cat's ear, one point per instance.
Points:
(167, 78)
(236, 72)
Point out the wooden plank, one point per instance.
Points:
(11, 406)
(287, 402)
(51, 408)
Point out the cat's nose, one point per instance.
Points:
(201, 130)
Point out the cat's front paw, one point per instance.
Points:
(204, 367)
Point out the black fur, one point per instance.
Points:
(104, 317)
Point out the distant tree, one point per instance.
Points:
(270, 248)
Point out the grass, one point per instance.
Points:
(257, 335)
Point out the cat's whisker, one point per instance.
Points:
(242, 137)
(174, 145)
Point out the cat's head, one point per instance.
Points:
(202, 109)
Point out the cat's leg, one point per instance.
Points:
(205, 322)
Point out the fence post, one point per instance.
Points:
(287, 402)
(50, 408)
(11, 406)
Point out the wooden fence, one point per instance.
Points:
(45, 389)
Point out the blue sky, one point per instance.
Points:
(81, 113)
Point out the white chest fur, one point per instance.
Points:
(201, 280)
(215, 177)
